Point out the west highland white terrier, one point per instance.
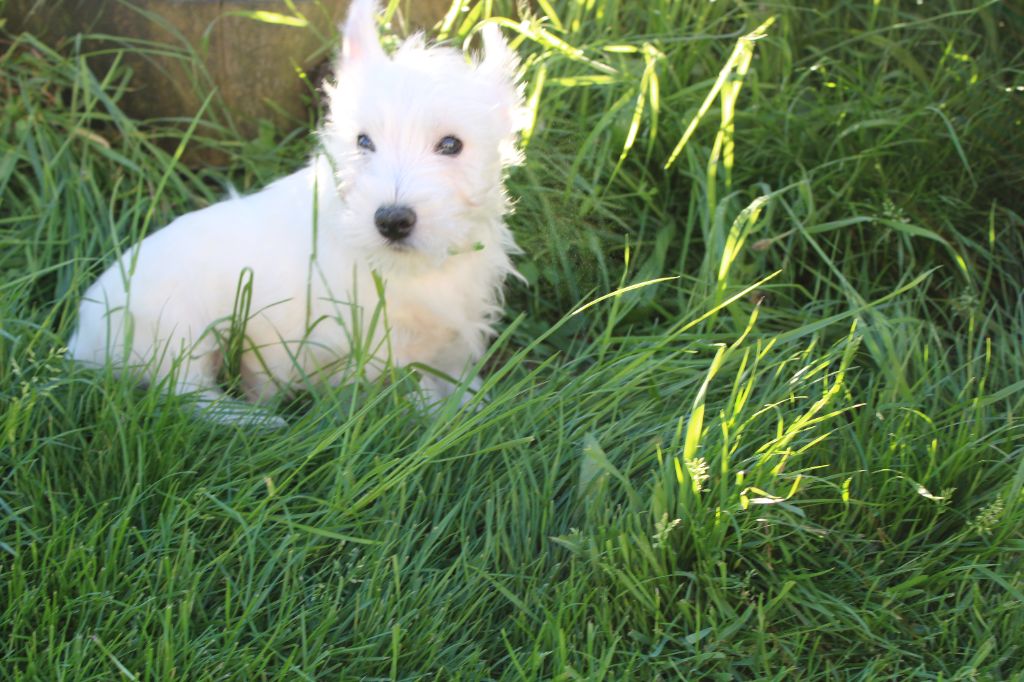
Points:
(389, 245)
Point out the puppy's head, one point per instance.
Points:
(418, 141)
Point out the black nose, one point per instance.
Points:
(395, 222)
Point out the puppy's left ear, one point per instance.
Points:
(361, 41)
(499, 61)
(500, 65)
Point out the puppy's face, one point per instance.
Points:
(418, 142)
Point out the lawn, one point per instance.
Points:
(757, 413)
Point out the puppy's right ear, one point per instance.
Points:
(361, 41)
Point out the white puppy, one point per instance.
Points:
(390, 246)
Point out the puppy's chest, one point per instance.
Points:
(421, 326)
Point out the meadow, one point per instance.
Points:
(755, 415)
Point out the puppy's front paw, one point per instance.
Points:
(435, 390)
(228, 411)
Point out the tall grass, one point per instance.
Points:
(756, 416)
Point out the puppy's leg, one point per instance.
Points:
(197, 377)
(257, 385)
(267, 367)
(452, 364)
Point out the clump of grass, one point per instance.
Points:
(757, 415)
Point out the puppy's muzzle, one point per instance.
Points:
(394, 222)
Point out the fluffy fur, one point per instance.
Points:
(316, 257)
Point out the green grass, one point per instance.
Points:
(801, 457)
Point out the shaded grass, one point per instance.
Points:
(798, 458)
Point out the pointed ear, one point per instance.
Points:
(361, 41)
(500, 66)
(499, 61)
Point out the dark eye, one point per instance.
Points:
(449, 145)
(363, 141)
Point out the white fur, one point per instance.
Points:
(316, 257)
